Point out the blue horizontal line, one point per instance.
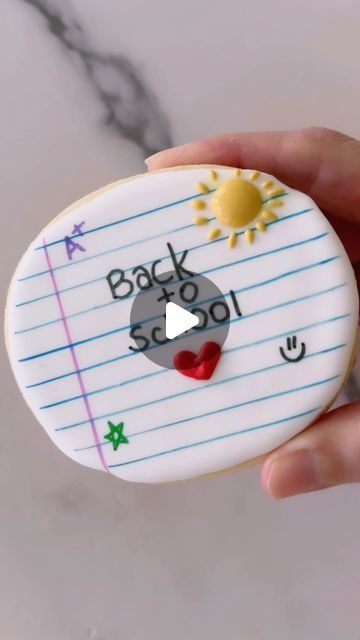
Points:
(142, 214)
(214, 384)
(237, 405)
(242, 290)
(192, 390)
(217, 268)
(210, 328)
(193, 248)
(153, 289)
(230, 264)
(244, 346)
(122, 411)
(106, 334)
(117, 358)
(127, 219)
(65, 265)
(216, 438)
(120, 384)
(224, 352)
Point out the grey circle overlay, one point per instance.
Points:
(196, 294)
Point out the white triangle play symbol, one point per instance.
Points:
(178, 320)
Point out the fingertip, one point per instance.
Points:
(182, 154)
(220, 149)
(321, 162)
(290, 474)
(151, 161)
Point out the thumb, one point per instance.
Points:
(323, 163)
(326, 454)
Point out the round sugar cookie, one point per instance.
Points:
(87, 369)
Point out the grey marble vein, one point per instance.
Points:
(131, 108)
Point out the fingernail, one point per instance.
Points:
(149, 159)
(292, 473)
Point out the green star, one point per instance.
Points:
(116, 435)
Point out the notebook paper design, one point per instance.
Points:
(292, 317)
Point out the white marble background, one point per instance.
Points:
(88, 88)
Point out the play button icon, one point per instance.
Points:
(178, 320)
(178, 316)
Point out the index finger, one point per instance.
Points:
(323, 163)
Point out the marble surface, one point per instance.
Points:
(89, 89)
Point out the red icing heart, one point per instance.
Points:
(200, 366)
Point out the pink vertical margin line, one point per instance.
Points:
(74, 358)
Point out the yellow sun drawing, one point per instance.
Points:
(242, 202)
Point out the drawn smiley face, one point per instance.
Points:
(292, 320)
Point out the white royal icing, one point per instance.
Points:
(68, 339)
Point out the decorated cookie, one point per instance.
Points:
(182, 322)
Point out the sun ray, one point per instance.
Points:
(237, 172)
(269, 216)
(232, 240)
(267, 184)
(261, 226)
(275, 203)
(201, 186)
(249, 236)
(198, 204)
(213, 174)
(278, 191)
(200, 220)
(254, 175)
(214, 233)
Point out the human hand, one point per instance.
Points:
(324, 164)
